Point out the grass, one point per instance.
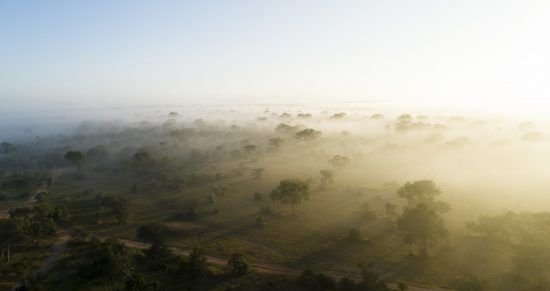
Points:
(314, 238)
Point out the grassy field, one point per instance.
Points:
(315, 237)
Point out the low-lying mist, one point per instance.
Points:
(479, 161)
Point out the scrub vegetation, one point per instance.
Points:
(277, 198)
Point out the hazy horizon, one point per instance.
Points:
(102, 54)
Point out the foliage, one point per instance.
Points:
(143, 162)
(353, 235)
(327, 177)
(236, 265)
(339, 115)
(275, 142)
(75, 157)
(370, 281)
(249, 149)
(291, 191)
(193, 269)
(469, 282)
(24, 180)
(285, 128)
(257, 173)
(116, 204)
(339, 161)
(307, 134)
(7, 148)
(153, 233)
(422, 192)
(422, 226)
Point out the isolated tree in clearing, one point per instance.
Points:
(421, 222)
(291, 191)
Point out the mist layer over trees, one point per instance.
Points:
(174, 198)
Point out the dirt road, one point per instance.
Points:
(265, 268)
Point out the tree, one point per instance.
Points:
(275, 142)
(257, 173)
(194, 268)
(249, 148)
(422, 192)
(153, 233)
(391, 214)
(291, 191)
(405, 117)
(138, 282)
(339, 161)
(371, 281)
(236, 265)
(77, 158)
(286, 128)
(7, 148)
(11, 231)
(421, 226)
(308, 134)
(327, 177)
(23, 213)
(368, 213)
(118, 205)
(354, 235)
(340, 115)
(41, 196)
(142, 161)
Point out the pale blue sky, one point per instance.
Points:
(148, 52)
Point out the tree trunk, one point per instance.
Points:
(8, 254)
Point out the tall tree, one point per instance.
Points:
(421, 223)
(421, 226)
(291, 191)
(422, 192)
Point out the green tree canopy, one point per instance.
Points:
(291, 191)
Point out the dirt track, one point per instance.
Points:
(264, 268)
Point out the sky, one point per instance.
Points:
(103, 53)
